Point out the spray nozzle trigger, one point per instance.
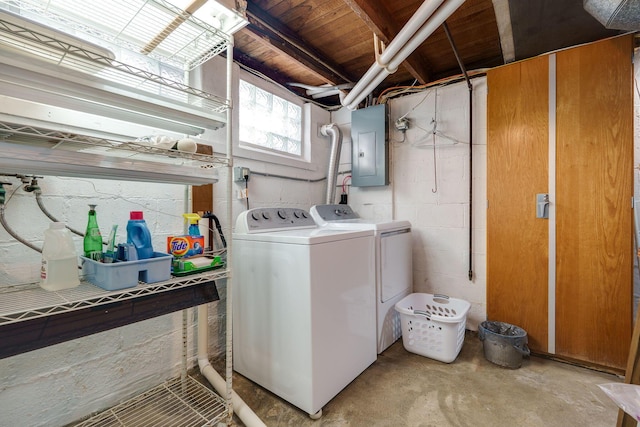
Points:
(193, 218)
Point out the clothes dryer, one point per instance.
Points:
(393, 267)
(303, 305)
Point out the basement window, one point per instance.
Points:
(268, 122)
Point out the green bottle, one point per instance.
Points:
(92, 237)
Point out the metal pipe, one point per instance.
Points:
(229, 304)
(470, 273)
(470, 87)
(51, 217)
(222, 385)
(455, 52)
(13, 234)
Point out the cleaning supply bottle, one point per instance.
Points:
(138, 234)
(194, 228)
(59, 268)
(92, 237)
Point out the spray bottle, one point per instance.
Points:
(194, 228)
(188, 245)
(92, 237)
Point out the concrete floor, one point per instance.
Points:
(405, 389)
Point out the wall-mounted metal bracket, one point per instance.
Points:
(542, 205)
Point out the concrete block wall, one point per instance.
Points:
(433, 192)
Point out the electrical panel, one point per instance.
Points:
(369, 147)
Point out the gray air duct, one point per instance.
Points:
(615, 14)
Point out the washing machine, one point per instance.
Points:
(303, 305)
(393, 267)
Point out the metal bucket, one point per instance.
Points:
(503, 344)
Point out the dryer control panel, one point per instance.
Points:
(263, 219)
(335, 212)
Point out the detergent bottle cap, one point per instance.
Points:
(193, 218)
(136, 215)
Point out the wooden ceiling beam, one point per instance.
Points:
(267, 30)
(374, 14)
(260, 67)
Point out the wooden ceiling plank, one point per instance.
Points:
(282, 48)
(260, 67)
(272, 32)
(377, 18)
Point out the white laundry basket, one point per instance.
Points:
(433, 325)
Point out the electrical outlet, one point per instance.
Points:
(239, 173)
(402, 124)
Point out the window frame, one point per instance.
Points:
(261, 148)
(256, 152)
(208, 77)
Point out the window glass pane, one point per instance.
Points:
(268, 121)
(279, 107)
(263, 99)
(295, 146)
(294, 111)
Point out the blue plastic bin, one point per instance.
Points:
(126, 274)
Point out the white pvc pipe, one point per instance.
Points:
(358, 92)
(244, 412)
(369, 88)
(425, 31)
(406, 33)
(421, 25)
(414, 24)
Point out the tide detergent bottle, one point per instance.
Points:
(138, 234)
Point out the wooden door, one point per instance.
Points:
(517, 169)
(594, 228)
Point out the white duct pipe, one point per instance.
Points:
(405, 34)
(379, 78)
(412, 26)
(358, 92)
(244, 412)
(333, 131)
(422, 24)
(427, 28)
